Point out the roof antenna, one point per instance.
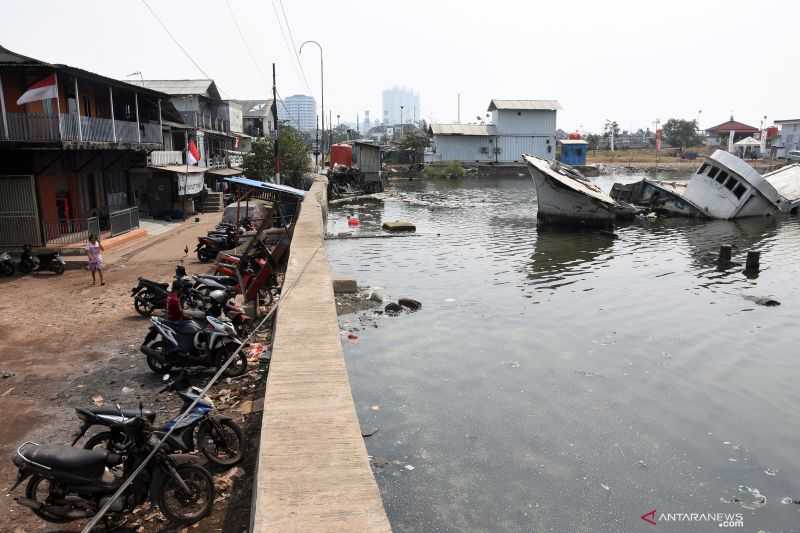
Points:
(137, 73)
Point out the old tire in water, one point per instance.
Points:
(221, 442)
(182, 508)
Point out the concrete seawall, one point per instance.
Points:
(313, 471)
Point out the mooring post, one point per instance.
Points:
(725, 254)
(752, 264)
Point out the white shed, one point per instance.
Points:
(518, 127)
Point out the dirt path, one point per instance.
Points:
(64, 341)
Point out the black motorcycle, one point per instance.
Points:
(185, 343)
(71, 483)
(6, 266)
(150, 295)
(209, 246)
(49, 260)
(217, 436)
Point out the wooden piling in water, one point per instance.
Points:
(753, 260)
(724, 254)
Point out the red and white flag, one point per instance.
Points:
(41, 90)
(192, 153)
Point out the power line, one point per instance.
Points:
(290, 46)
(158, 19)
(244, 41)
(294, 45)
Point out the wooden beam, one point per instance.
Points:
(3, 109)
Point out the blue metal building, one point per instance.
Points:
(573, 151)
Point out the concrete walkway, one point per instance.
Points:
(313, 471)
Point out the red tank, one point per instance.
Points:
(574, 136)
(342, 154)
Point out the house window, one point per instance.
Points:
(713, 172)
(739, 190)
(722, 176)
(87, 106)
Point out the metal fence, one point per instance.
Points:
(94, 129)
(124, 220)
(71, 230)
(151, 132)
(32, 127)
(127, 132)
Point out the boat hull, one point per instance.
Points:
(561, 205)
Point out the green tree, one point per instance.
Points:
(681, 133)
(594, 141)
(293, 151)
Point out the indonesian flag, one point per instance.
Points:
(192, 153)
(41, 90)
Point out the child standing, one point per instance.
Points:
(93, 251)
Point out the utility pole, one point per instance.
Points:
(330, 128)
(459, 108)
(275, 118)
(401, 121)
(316, 148)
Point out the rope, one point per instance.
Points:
(125, 484)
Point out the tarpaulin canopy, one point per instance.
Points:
(264, 186)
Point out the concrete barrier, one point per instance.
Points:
(313, 472)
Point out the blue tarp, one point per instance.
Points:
(264, 186)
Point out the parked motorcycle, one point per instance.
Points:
(150, 295)
(209, 246)
(6, 266)
(49, 260)
(185, 343)
(218, 437)
(71, 483)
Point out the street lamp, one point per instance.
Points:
(322, 87)
(401, 120)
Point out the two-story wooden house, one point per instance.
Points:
(67, 140)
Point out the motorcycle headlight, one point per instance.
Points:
(153, 441)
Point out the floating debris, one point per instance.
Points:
(772, 472)
(605, 487)
(409, 467)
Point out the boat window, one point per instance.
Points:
(731, 183)
(721, 177)
(713, 172)
(702, 168)
(739, 190)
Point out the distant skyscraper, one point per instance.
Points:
(400, 96)
(366, 123)
(302, 111)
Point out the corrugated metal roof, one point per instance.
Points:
(255, 108)
(463, 129)
(173, 87)
(525, 105)
(183, 169)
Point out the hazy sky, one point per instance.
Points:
(630, 61)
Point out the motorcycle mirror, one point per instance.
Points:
(165, 378)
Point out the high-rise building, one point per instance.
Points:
(366, 124)
(400, 96)
(302, 111)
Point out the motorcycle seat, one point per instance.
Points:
(90, 462)
(184, 327)
(154, 283)
(222, 280)
(127, 413)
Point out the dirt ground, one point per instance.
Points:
(64, 342)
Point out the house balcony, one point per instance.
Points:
(45, 128)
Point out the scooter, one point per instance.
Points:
(6, 266)
(218, 437)
(209, 246)
(150, 295)
(71, 483)
(50, 260)
(184, 343)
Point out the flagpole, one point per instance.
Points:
(58, 107)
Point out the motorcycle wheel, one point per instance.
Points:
(155, 365)
(38, 490)
(7, 268)
(222, 443)
(239, 364)
(184, 508)
(58, 267)
(143, 304)
(26, 267)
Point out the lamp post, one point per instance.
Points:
(401, 121)
(322, 88)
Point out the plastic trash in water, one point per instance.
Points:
(353, 220)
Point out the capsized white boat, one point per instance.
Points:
(565, 196)
(724, 187)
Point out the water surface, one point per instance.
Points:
(563, 381)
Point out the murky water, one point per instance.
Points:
(558, 381)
